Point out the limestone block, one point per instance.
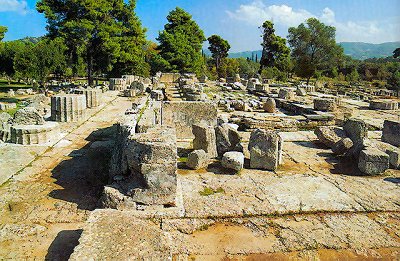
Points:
(227, 139)
(28, 116)
(394, 158)
(324, 105)
(384, 105)
(204, 139)
(286, 94)
(117, 84)
(7, 106)
(152, 162)
(270, 105)
(301, 92)
(391, 132)
(356, 130)
(233, 160)
(342, 146)
(373, 161)
(182, 115)
(265, 149)
(329, 135)
(197, 159)
(68, 107)
(33, 134)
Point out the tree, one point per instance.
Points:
(219, 49)
(313, 47)
(396, 53)
(3, 31)
(106, 35)
(275, 53)
(181, 43)
(7, 53)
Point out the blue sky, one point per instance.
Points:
(374, 21)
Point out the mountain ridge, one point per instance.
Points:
(357, 50)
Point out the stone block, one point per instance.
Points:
(325, 105)
(329, 135)
(204, 139)
(227, 139)
(28, 116)
(233, 160)
(197, 159)
(342, 146)
(373, 161)
(356, 130)
(7, 106)
(118, 84)
(265, 149)
(391, 132)
(286, 94)
(182, 115)
(384, 105)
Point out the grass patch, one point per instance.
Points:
(209, 191)
(183, 159)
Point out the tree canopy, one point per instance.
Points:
(105, 34)
(181, 43)
(219, 49)
(3, 31)
(275, 53)
(313, 47)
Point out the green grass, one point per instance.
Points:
(183, 159)
(13, 84)
(209, 191)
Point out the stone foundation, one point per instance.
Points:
(68, 107)
(384, 105)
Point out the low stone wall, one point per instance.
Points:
(384, 105)
(182, 115)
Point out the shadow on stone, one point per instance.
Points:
(83, 176)
(63, 245)
(393, 180)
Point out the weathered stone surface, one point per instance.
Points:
(373, 161)
(197, 159)
(28, 116)
(227, 139)
(325, 105)
(286, 94)
(329, 135)
(4, 117)
(265, 149)
(204, 139)
(33, 134)
(157, 95)
(342, 146)
(391, 132)
(233, 160)
(394, 158)
(113, 198)
(270, 105)
(7, 106)
(183, 115)
(68, 107)
(384, 105)
(356, 130)
(132, 238)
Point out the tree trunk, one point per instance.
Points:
(90, 68)
(308, 80)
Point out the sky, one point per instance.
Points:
(238, 21)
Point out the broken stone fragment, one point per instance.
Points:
(228, 139)
(391, 132)
(265, 149)
(28, 116)
(301, 92)
(286, 94)
(329, 135)
(197, 159)
(373, 161)
(233, 160)
(342, 146)
(204, 139)
(394, 158)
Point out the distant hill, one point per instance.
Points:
(356, 50)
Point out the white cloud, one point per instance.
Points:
(14, 6)
(284, 16)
